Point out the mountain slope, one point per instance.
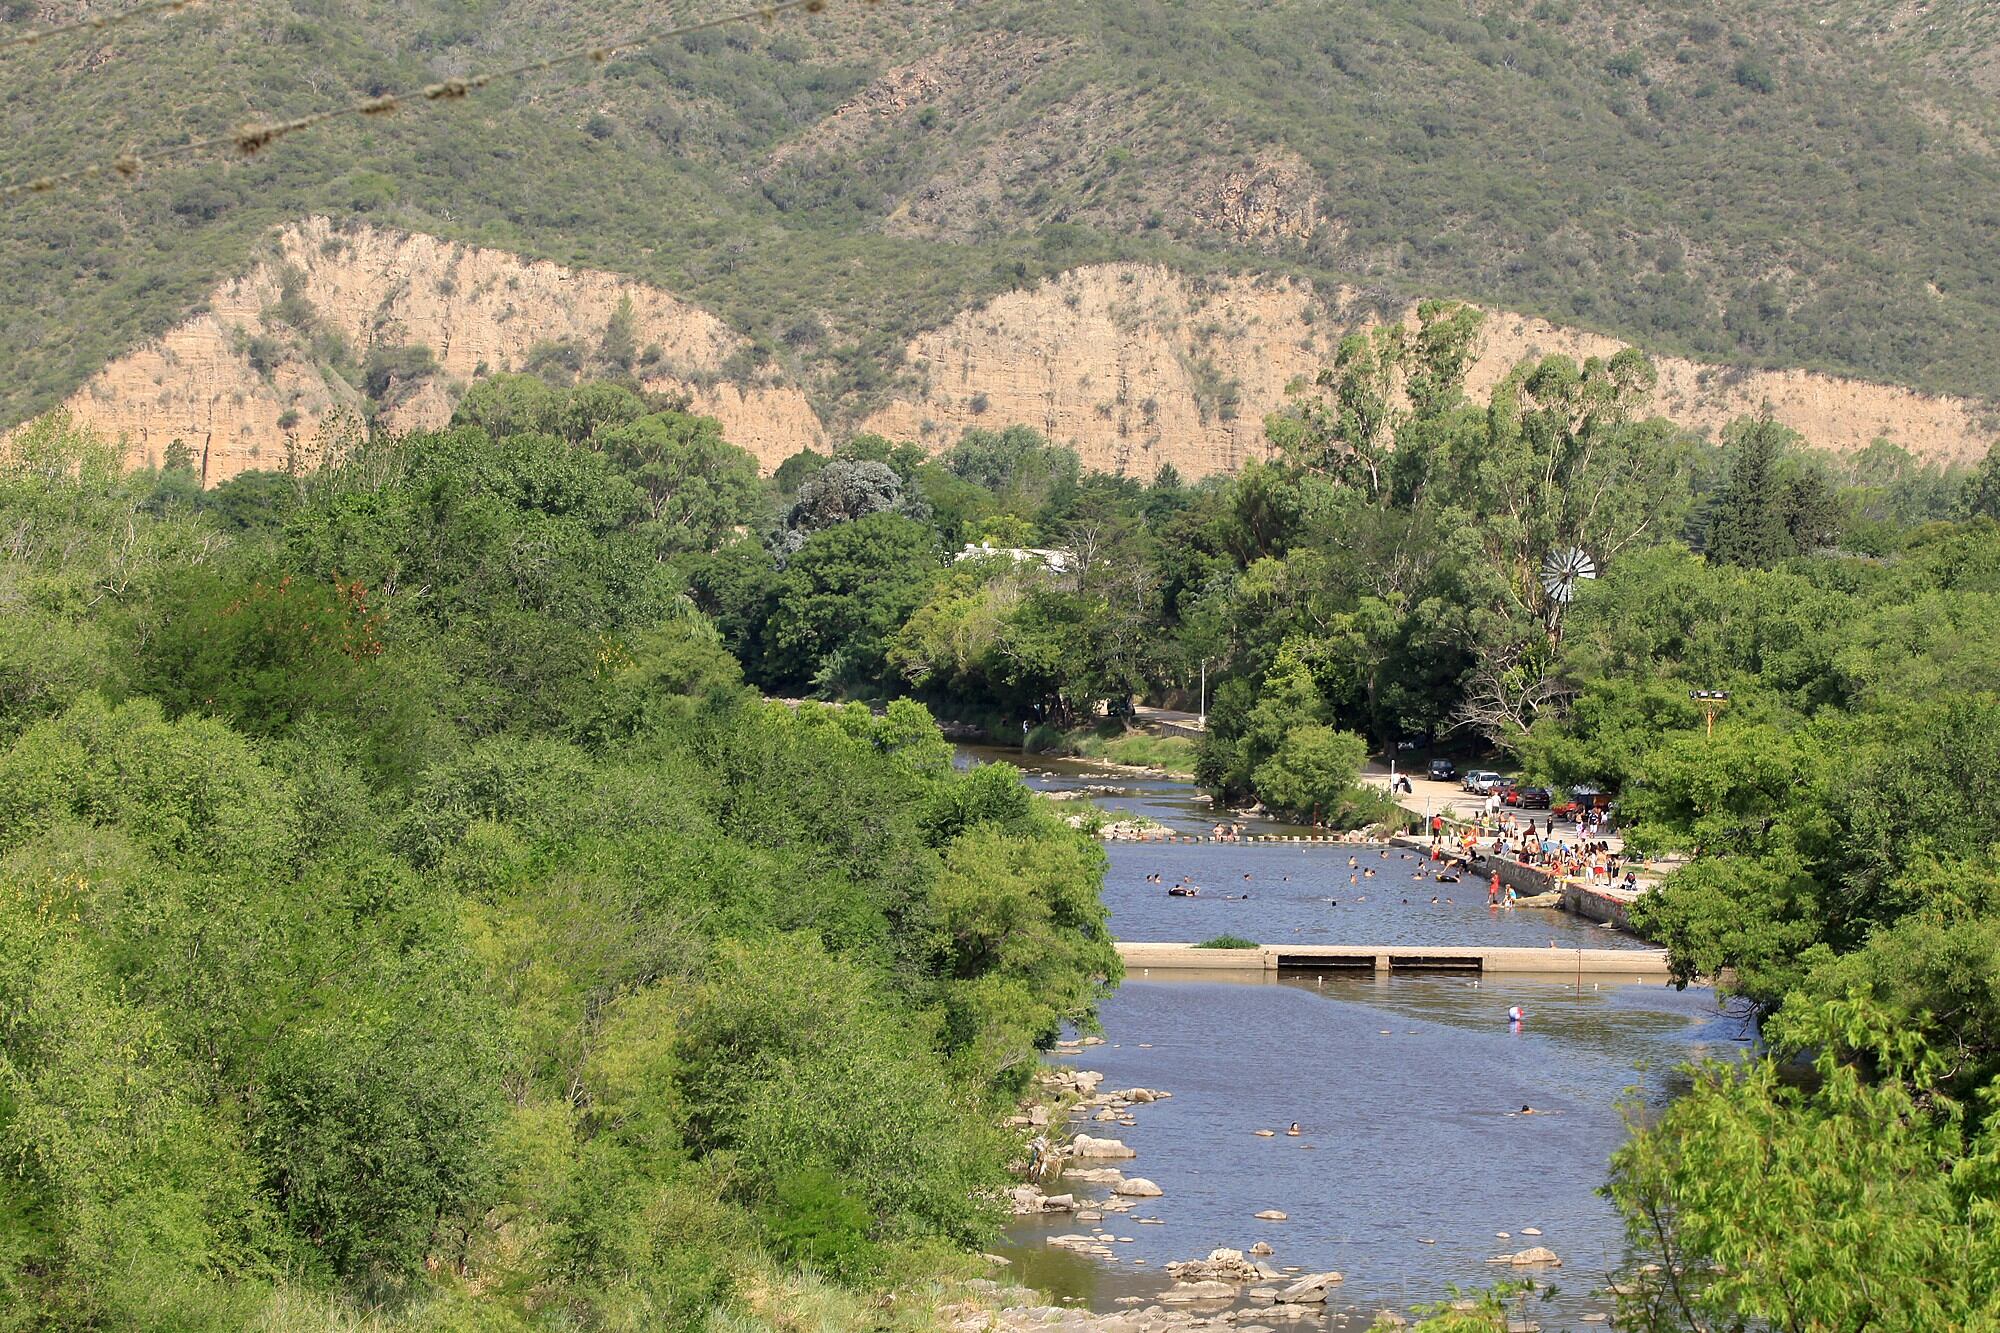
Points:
(1778, 184)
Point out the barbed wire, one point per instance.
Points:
(253, 137)
(99, 22)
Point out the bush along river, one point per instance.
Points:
(1413, 1169)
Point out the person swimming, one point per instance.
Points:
(1293, 1132)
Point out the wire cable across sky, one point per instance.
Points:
(100, 22)
(255, 136)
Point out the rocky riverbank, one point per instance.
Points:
(1078, 1168)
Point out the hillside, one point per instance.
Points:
(1783, 184)
(1135, 365)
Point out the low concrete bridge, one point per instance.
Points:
(1636, 964)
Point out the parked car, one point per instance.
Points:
(1582, 799)
(1481, 780)
(1443, 770)
(1504, 785)
(1529, 798)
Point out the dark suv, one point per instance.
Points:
(1529, 798)
(1443, 770)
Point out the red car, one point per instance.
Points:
(1528, 798)
(1582, 800)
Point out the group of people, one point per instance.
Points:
(1533, 843)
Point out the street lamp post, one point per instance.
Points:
(1712, 702)
(1203, 720)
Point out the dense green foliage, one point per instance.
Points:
(1764, 183)
(405, 908)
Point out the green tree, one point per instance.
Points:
(844, 595)
(699, 488)
(1312, 772)
(1748, 520)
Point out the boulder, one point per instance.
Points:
(1261, 1247)
(1539, 1256)
(1185, 1292)
(1271, 1215)
(1222, 1265)
(1309, 1290)
(1265, 1133)
(1138, 1187)
(1084, 1146)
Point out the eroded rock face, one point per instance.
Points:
(242, 384)
(1139, 366)
(1136, 366)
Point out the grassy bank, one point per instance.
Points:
(1173, 755)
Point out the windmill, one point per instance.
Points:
(1562, 571)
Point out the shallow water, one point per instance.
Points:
(1409, 1161)
(1403, 1087)
(1169, 801)
(1297, 893)
(1308, 894)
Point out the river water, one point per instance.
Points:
(1409, 1162)
(1294, 893)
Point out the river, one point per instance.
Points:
(1409, 1162)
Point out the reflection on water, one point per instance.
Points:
(1410, 1161)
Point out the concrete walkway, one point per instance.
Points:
(1639, 964)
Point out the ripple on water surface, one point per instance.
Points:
(1403, 1088)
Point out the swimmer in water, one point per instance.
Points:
(1293, 1132)
(1527, 1110)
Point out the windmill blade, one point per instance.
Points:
(1561, 570)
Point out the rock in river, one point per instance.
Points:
(1138, 1187)
(1540, 1256)
(1084, 1146)
(1309, 1290)
(1270, 1215)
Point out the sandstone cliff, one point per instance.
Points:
(1139, 366)
(243, 381)
(1135, 365)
